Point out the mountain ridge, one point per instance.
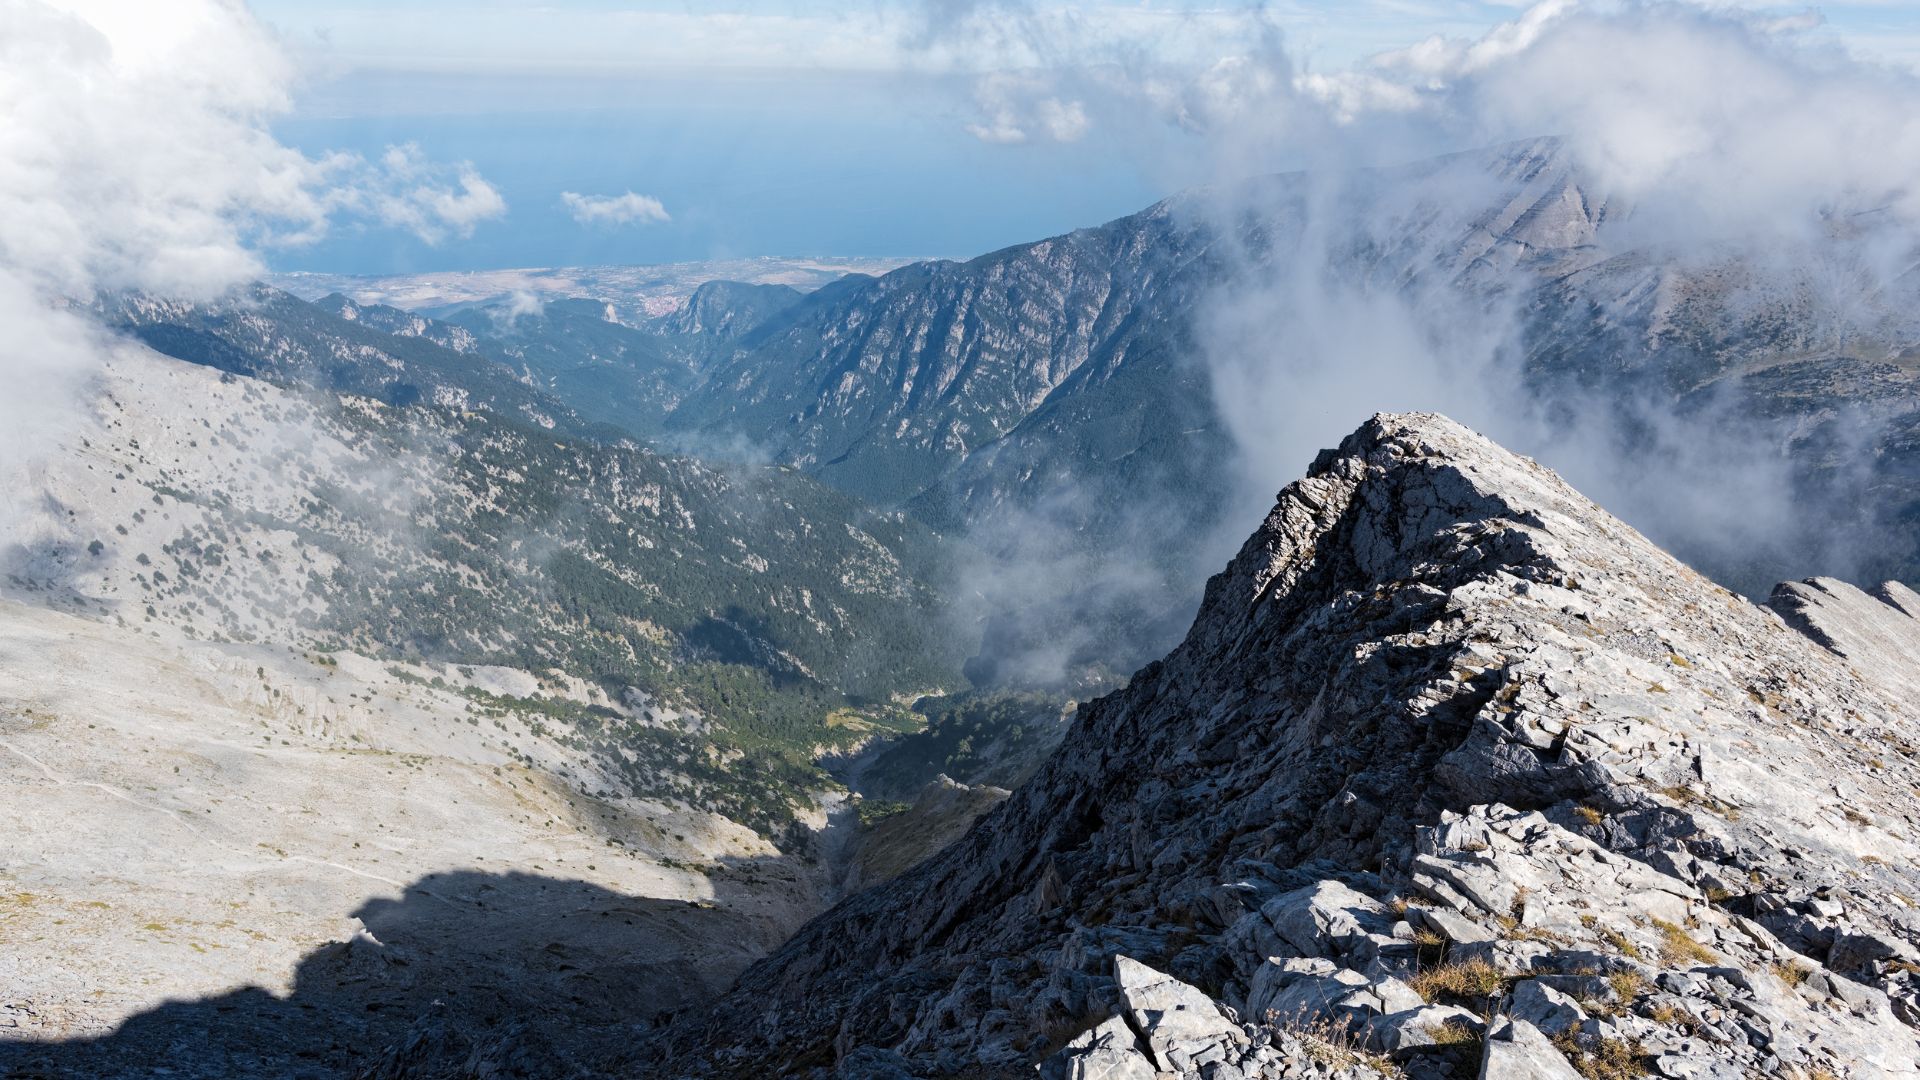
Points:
(1426, 634)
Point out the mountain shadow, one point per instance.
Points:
(467, 974)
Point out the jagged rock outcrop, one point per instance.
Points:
(1454, 771)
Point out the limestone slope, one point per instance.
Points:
(1453, 768)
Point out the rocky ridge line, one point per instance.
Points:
(1453, 772)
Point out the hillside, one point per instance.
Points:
(230, 859)
(728, 310)
(1089, 410)
(1072, 359)
(267, 333)
(1454, 773)
(721, 626)
(579, 350)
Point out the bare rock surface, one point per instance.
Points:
(1878, 632)
(1454, 774)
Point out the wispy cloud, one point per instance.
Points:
(140, 156)
(1016, 108)
(1730, 158)
(627, 208)
(429, 200)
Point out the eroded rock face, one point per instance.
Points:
(1443, 726)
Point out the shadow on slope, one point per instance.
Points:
(468, 973)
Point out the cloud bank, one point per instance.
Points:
(1762, 181)
(624, 209)
(1663, 102)
(1719, 188)
(138, 156)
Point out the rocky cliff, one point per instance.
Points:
(1453, 772)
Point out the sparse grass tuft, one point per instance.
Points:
(1469, 980)
(1678, 947)
(1537, 933)
(1609, 1059)
(1790, 973)
(1457, 1037)
(1334, 1045)
(1620, 942)
(1627, 984)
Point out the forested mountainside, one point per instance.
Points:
(729, 310)
(576, 349)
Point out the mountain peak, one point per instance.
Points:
(1428, 639)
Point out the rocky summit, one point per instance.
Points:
(1454, 774)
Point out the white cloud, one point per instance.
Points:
(1438, 56)
(623, 209)
(136, 153)
(135, 156)
(136, 146)
(1708, 137)
(1731, 121)
(1017, 108)
(431, 201)
(1662, 103)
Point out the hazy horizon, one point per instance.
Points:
(805, 129)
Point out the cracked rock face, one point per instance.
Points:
(1454, 773)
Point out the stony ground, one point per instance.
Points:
(187, 819)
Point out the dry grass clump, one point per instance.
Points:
(1677, 947)
(1537, 933)
(1452, 1033)
(1608, 1059)
(1469, 980)
(1788, 972)
(1334, 1045)
(1627, 984)
(1620, 942)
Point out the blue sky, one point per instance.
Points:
(792, 128)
